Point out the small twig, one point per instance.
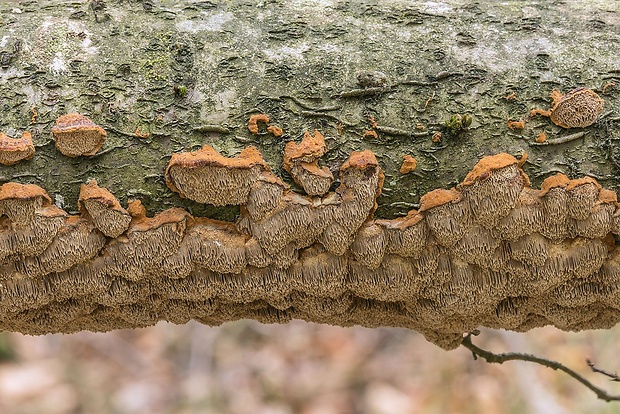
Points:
(417, 83)
(613, 377)
(308, 106)
(354, 93)
(323, 115)
(561, 140)
(400, 132)
(211, 128)
(119, 132)
(491, 357)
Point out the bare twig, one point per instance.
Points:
(613, 377)
(400, 132)
(354, 93)
(491, 357)
(211, 128)
(323, 115)
(561, 140)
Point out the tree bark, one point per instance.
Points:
(169, 77)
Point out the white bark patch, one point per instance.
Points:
(58, 65)
(211, 23)
(287, 52)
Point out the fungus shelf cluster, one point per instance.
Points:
(491, 252)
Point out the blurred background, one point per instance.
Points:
(246, 367)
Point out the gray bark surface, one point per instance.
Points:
(119, 62)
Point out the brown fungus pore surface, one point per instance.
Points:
(491, 252)
(77, 135)
(14, 150)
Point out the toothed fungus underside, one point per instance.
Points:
(578, 108)
(14, 150)
(491, 252)
(103, 209)
(77, 135)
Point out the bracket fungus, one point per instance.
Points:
(301, 161)
(14, 150)
(577, 109)
(103, 209)
(202, 175)
(77, 135)
(492, 251)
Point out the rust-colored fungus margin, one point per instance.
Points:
(77, 135)
(302, 162)
(491, 252)
(14, 150)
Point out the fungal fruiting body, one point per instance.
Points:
(254, 120)
(409, 164)
(104, 209)
(577, 109)
(492, 251)
(276, 131)
(14, 150)
(272, 129)
(205, 176)
(520, 124)
(77, 135)
(301, 161)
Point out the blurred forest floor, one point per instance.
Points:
(246, 367)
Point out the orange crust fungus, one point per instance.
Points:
(254, 120)
(370, 134)
(13, 191)
(438, 197)
(577, 109)
(77, 135)
(276, 131)
(14, 150)
(483, 169)
(490, 252)
(272, 129)
(409, 164)
(520, 124)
